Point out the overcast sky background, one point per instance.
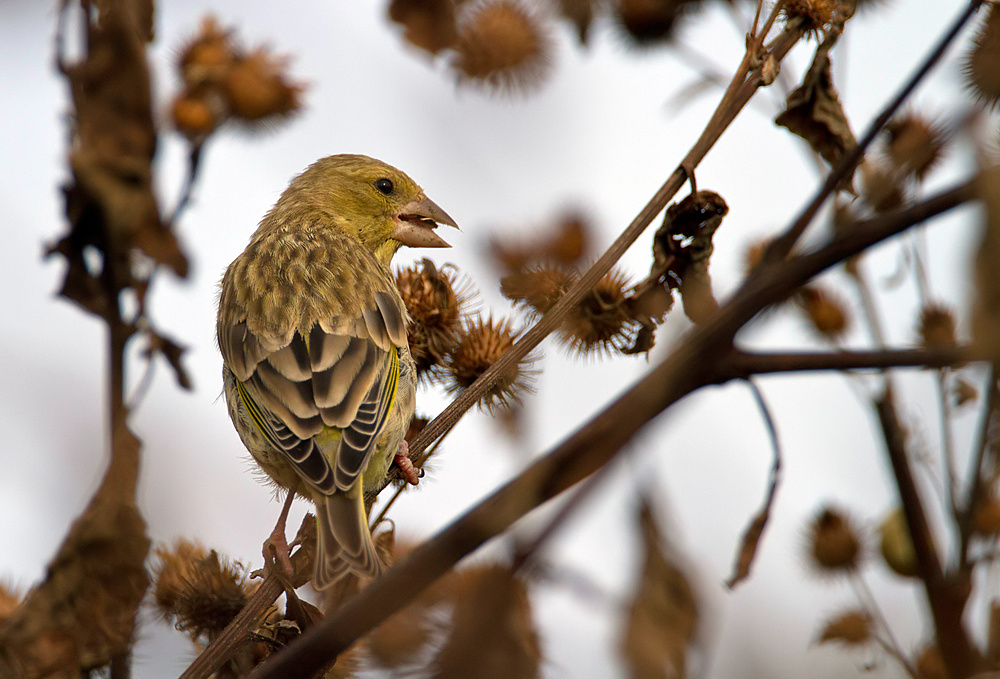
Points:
(600, 136)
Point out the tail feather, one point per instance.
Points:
(344, 541)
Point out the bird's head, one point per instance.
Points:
(374, 201)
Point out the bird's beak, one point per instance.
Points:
(416, 222)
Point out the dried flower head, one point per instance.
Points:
(600, 322)
(827, 314)
(981, 70)
(834, 543)
(937, 326)
(537, 289)
(429, 24)
(648, 22)
(208, 56)
(503, 47)
(257, 88)
(851, 628)
(818, 14)
(896, 546)
(197, 589)
(480, 345)
(193, 115)
(915, 144)
(434, 299)
(570, 242)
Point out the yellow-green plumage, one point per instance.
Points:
(312, 330)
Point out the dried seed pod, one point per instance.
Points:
(481, 343)
(503, 47)
(915, 144)
(852, 628)
(648, 22)
(896, 546)
(197, 589)
(208, 56)
(981, 70)
(827, 314)
(937, 326)
(537, 289)
(963, 392)
(986, 520)
(600, 322)
(818, 13)
(257, 88)
(434, 299)
(881, 188)
(193, 116)
(834, 543)
(429, 24)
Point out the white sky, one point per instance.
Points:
(602, 136)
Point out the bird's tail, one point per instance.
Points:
(344, 542)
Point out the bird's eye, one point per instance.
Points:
(384, 186)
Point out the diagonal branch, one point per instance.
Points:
(742, 364)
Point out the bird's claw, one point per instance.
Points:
(405, 464)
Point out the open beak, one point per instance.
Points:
(416, 222)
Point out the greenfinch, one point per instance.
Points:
(317, 372)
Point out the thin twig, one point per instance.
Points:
(742, 364)
(755, 530)
(990, 403)
(194, 164)
(890, 643)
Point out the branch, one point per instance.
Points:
(743, 364)
(689, 367)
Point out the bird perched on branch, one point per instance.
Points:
(317, 371)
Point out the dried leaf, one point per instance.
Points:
(663, 617)
(813, 110)
(851, 628)
(172, 353)
(986, 308)
(492, 635)
(83, 614)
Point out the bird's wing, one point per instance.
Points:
(343, 374)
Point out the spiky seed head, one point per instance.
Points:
(537, 289)
(502, 47)
(429, 24)
(197, 589)
(827, 314)
(896, 546)
(257, 88)
(207, 56)
(481, 343)
(600, 322)
(937, 326)
(981, 70)
(434, 299)
(818, 14)
(851, 628)
(834, 544)
(193, 116)
(915, 144)
(570, 241)
(648, 22)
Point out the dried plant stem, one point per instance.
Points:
(889, 643)
(945, 595)
(979, 455)
(689, 367)
(783, 245)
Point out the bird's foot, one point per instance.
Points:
(277, 553)
(405, 464)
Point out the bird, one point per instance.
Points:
(317, 372)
